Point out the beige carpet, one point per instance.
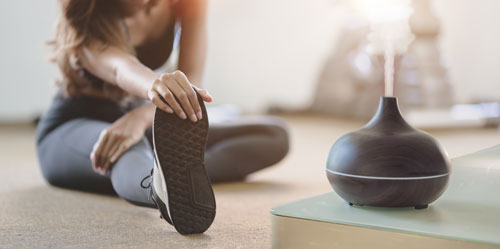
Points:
(35, 215)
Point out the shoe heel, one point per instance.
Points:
(203, 194)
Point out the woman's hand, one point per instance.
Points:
(120, 136)
(172, 92)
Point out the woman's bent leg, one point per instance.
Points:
(129, 172)
(241, 147)
(64, 157)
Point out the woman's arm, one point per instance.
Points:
(124, 70)
(171, 92)
(120, 136)
(192, 55)
(117, 67)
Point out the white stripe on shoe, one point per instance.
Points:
(160, 186)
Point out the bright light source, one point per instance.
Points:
(390, 32)
(384, 10)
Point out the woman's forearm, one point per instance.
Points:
(171, 92)
(192, 55)
(119, 68)
(193, 39)
(144, 114)
(132, 76)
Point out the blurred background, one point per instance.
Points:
(283, 54)
(303, 60)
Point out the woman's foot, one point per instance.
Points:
(181, 188)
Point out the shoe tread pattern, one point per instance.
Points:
(179, 143)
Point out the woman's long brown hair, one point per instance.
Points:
(83, 23)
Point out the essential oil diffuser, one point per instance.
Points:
(388, 163)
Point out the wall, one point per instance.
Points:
(471, 42)
(26, 77)
(260, 51)
(265, 51)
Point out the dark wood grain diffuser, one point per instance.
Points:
(388, 163)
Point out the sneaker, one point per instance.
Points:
(181, 188)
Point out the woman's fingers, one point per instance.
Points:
(96, 155)
(115, 142)
(184, 83)
(119, 152)
(204, 94)
(104, 150)
(158, 101)
(121, 148)
(174, 93)
(182, 96)
(156, 98)
(168, 96)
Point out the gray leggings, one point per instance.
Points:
(234, 150)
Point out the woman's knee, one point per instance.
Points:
(51, 176)
(279, 138)
(48, 167)
(139, 155)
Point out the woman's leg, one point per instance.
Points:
(64, 157)
(240, 147)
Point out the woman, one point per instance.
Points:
(96, 136)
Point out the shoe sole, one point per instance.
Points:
(179, 150)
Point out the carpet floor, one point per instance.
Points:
(36, 215)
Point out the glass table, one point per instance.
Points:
(466, 216)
